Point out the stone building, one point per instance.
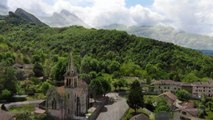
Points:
(202, 88)
(196, 89)
(70, 101)
(162, 86)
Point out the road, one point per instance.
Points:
(18, 104)
(114, 111)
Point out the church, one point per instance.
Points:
(70, 101)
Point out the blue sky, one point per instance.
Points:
(146, 3)
(129, 3)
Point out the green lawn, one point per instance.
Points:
(22, 109)
(209, 116)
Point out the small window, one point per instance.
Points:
(184, 113)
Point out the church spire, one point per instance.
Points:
(71, 71)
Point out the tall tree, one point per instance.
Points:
(9, 79)
(135, 97)
(96, 88)
(38, 70)
(105, 84)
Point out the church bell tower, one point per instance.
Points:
(71, 76)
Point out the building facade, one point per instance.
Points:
(202, 88)
(196, 89)
(70, 101)
(162, 86)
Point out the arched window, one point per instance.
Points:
(54, 104)
(75, 82)
(78, 106)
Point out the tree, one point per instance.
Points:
(96, 88)
(121, 83)
(60, 70)
(38, 70)
(45, 86)
(115, 85)
(183, 95)
(9, 79)
(105, 84)
(6, 94)
(135, 97)
(114, 66)
(162, 106)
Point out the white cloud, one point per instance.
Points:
(194, 16)
(188, 15)
(3, 7)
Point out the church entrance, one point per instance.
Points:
(78, 107)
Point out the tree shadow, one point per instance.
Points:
(104, 109)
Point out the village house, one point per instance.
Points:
(182, 110)
(162, 86)
(202, 88)
(70, 101)
(196, 89)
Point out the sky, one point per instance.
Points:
(194, 16)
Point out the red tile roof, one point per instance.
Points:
(169, 95)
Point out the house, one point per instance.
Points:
(162, 86)
(182, 110)
(4, 115)
(186, 114)
(69, 101)
(202, 88)
(170, 98)
(196, 89)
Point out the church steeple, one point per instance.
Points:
(71, 76)
(71, 71)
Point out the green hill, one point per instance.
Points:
(101, 51)
(168, 34)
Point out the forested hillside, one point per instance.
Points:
(98, 52)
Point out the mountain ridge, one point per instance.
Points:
(63, 19)
(20, 16)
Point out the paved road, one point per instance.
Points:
(114, 111)
(18, 104)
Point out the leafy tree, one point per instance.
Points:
(162, 106)
(183, 95)
(38, 70)
(60, 70)
(96, 88)
(114, 66)
(135, 97)
(45, 86)
(6, 94)
(9, 81)
(115, 85)
(105, 84)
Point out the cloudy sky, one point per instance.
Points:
(195, 16)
